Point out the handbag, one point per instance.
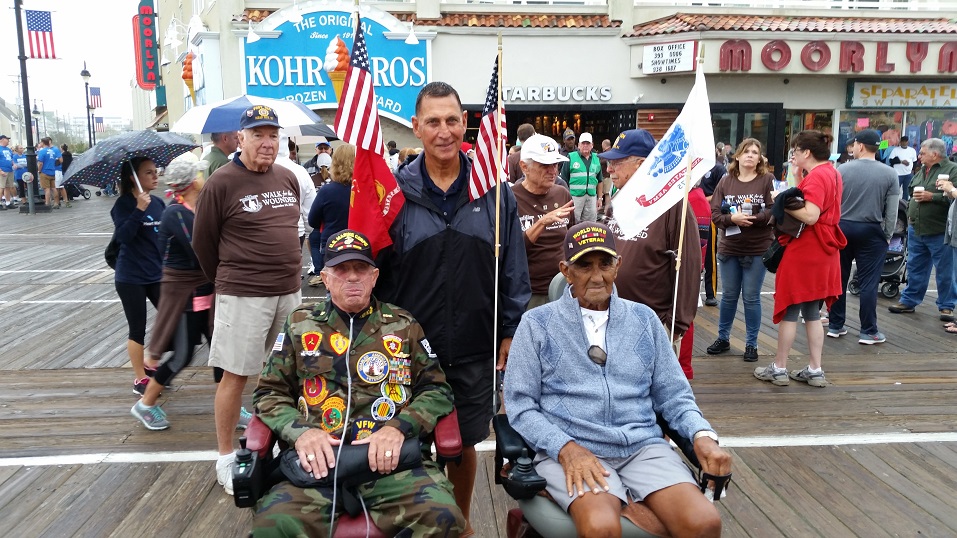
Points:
(112, 252)
(772, 256)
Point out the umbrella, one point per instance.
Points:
(224, 116)
(306, 133)
(101, 165)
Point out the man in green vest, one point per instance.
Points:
(583, 174)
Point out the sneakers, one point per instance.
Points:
(719, 346)
(224, 472)
(68, 204)
(711, 301)
(139, 386)
(750, 354)
(870, 339)
(836, 333)
(901, 308)
(946, 314)
(244, 418)
(315, 281)
(805, 376)
(777, 376)
(154, 418)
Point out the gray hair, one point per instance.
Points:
(181, 173)
(936, 145)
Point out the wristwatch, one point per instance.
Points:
(706, 433)
(953, 192)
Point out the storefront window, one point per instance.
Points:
(725, 127)
(756, 126)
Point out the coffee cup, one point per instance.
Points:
(918, 189)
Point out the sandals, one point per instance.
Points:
(950, 328)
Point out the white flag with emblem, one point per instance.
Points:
(659, 183)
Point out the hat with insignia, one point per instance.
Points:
(348, 245)
(258, 116)
(631, 143)
(588, 237)
(542, 149)
(568, 134)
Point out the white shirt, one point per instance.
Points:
(905, 154)
(307, 191)
(596, 321)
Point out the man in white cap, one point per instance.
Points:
(583, 174)
(545, 212)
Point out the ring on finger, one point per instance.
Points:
(310, 457)
(388, 453)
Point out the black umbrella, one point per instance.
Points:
(101, 165)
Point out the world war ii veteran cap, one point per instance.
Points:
(588, 237)
(631, 143)
(258, 116)
(348, 245)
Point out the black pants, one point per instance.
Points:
(192, 327)
(133, 297)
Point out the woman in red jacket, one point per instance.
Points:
(810, 271)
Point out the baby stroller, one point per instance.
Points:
(75, 191)
(894, 270)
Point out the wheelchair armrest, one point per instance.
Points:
(259, 438)
(520, 480)
(448, 438)
(685, 445)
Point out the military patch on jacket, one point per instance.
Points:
(400, 370)
(338, 343)
(363, 428)
(383, 409)
(373, 367)
(392, 343)
(280, 338)
(428, 348)
(315, 390)
(395, 392)
(332, 411)
(303, 407)
(310, 343)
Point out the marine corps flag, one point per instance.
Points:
(376, 197)
(659, 183)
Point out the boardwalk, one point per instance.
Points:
(874, 454)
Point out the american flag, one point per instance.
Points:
(40, 34)
(100, 126)
(376, 197)
(95, 101)
(491, 139)
(357, 121)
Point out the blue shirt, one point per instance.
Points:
(46, 162)
(6, 159)
(448, 200)
(141, 256)
(57, 155)
(330, 210)
(21, 162)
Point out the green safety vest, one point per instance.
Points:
(583, 180)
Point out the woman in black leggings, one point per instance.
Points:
(185, 313)
(139, 266)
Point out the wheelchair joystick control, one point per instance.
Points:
(247, 476)
(523, 464)
(523, 482)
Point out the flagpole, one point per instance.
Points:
(27, 120)
(684, 216)
(498, 220)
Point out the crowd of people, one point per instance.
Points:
(52, 162)
(400, 337)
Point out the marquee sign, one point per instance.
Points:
(308, 61)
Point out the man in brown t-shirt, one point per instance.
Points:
(515, 172)
(545, 211)
(647, 273)
(246, 238)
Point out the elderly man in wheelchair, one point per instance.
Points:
(352, 386)
(586, 376)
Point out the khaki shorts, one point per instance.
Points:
(6, 180)
(47, 182)
(652, 468)
(245, 330)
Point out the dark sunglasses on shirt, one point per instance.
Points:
(597, 355)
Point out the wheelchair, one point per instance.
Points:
(257, 471)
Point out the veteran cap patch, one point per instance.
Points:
(348, 245)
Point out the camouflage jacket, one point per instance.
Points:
(396, 379)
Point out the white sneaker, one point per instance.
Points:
(224, 472)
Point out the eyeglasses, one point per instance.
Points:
(619, 162)
(597, 355)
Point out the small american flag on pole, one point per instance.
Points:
(491, 139)
(40, 34)
(100, 126)
(95, 101)
(357, 120)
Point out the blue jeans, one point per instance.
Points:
(904, 182)
(924, 252)
(741, 274)
(315, 249)
(866, 244)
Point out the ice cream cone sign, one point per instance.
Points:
(336, 64)
(188, 75)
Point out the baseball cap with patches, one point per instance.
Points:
(588, 237)
(348, 245)
(258, 116)
(542, 149)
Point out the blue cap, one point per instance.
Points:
(257, 116)
(631, 143)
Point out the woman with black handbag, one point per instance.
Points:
(745, 235)
(810, 270)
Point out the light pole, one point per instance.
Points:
(86, 85)
(43, 113)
